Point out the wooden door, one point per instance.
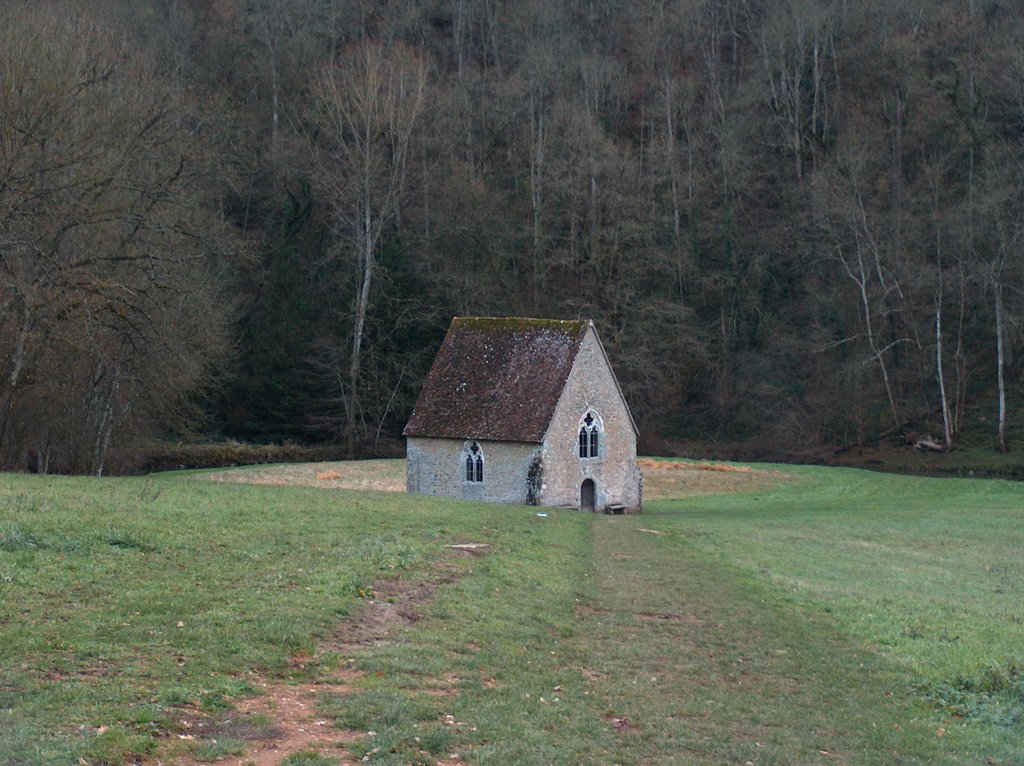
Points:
(588, 494)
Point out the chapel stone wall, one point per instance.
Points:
(436, 467)
(591, 387)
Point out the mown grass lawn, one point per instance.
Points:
(840, 617)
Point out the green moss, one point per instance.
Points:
(518, 324)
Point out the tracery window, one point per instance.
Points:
(590, 429)
(473, 460)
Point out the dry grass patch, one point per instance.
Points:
(374, 475)
(663, 479)
(670, 479)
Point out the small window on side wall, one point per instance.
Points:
(590, 439)
(473, 460)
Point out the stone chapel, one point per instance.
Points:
(524, 411)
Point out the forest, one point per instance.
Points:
(795, 223)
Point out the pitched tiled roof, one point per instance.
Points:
(497, 378)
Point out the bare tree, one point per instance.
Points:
(1001, 275)
(935, 172)
(368, 104)
(108, 304)
(797, 48)
(855, 247)
(997, 289)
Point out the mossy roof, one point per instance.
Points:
(497, 378)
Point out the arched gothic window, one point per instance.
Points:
(473, 461)
(590, 429)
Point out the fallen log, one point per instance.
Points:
(928, 443)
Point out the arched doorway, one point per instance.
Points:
(588, 495)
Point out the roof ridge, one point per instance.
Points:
(508, 322)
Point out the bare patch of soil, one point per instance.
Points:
(395, 605)
(621, 723)
(688, 619)
(588, 611)
(592, 675)
(295, 726)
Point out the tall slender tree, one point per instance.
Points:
(368, 105)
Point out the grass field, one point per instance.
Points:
(779, 616)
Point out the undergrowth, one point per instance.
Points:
(994, 695)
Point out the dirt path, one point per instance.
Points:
(295, 726)
(695, 662)
(283, 719)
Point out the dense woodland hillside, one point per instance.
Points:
(797, 224)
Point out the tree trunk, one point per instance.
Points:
(947, 430)
(592, 209)
(1000, 363)
(362, 302)
(872, 342)
(17, 361)
(677, 222)
(458, 24)
(536, 196)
